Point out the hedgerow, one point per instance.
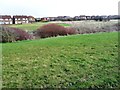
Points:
(51, 30)
(9, 34)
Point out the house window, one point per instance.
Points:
(30, 19)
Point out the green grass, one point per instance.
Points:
(78, 61)
(35, 26)
(64, 24)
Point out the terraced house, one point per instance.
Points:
(31, 19)
(5, 19)
(20, 19)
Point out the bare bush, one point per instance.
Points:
(9, 34)
(93, 27)
(51, 30)
(71, 31)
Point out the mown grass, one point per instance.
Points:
(78, 61)
(34, 26)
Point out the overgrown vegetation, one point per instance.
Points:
(93, 27)
(9, 34)
(78, 61)
(51, 30)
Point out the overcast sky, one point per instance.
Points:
(44, 8)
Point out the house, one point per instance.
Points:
(31, 19)
(93, 17)
(64, 18)
(20, 19)
(102, 18)
(52, 18)
(45, 19)
(82, 17)
(5, 19)
(37, 19)
(76, 18)
(59, 18)
(68, 18)
(105, 18)
(114, 16)
(88, 17)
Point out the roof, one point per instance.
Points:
(31, 17)
(5, 16)
(20, 16)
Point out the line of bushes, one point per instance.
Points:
(9, 34)
(94, 28)
(53, 30)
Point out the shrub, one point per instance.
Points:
(94, 27)
(51, 30)
(9, 34)
(71, 31)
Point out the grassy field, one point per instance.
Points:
(35, 26)
(78, 61)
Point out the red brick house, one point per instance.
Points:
(45, 19)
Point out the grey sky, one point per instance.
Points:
(43, 8)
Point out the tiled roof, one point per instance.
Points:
(20, 16)
(5, 16)
(30, 17)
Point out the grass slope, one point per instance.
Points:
(35, 26)
(78, 61)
